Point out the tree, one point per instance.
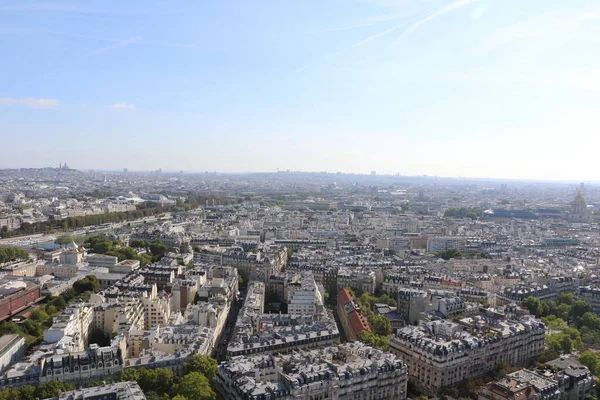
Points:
(88, 284)
(139, 243)
(98, 336)
(204, 364)
(39, 315)
(129, 374)
(59, 303)
(566, 344)
(579, 308)
(565, 298)
(194, 386)
(563, 311)
(8, 254)
(448, 254)
(534, 305)
(381, 326)
(64, 239)
(471, 215)
(27, 392)
(164, 379)
(52, 389)
(591, 360)
(589, 320)
(158, 249)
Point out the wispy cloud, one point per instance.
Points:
(114, 46)
(122, 106)
(375, 36)
(436, 14)
(30, 102)
(369, 21)
(171, 44)
(588, 15)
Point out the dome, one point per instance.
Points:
(579, 198)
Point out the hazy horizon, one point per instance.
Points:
(482, 89)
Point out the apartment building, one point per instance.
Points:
(352, 321)
(343, 372)
(94, 364)
(443, 353)
(305, 296)
(112, 391)
(71, 327)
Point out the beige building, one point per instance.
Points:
(443, 353)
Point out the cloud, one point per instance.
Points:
(171, 44)
(589, 15)
(114, 46)
(438, 13)
(30, 102)
(369, 21)
(375, 36)
(122, 106)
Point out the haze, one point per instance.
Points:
(502, 89)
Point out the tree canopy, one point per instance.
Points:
(8, 254)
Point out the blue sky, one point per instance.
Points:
(478, 88)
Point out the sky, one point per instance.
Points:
(470, 88)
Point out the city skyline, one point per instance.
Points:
(471, 88)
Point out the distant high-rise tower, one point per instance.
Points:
(373, 173)
(125, 170)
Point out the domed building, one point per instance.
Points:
(579, 210)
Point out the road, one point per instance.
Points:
(220, 351)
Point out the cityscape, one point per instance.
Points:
(293, 285)
(299, 200)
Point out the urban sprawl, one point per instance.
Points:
(289, 285)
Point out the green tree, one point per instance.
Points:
(381, 326)
(591, 360)
(534, 305)
(64, 239)
(164, 380)
(471, 215)
(566, 344)
(8, 254)
(565, 298)
(129, 374)
(203, 364)
(27, 392)
(563, 311)
(39, 315)
(98, 337)
(52, 389)
(194, 386)
(579, 308)
(88, 284)
(158, 249)
(448, 254)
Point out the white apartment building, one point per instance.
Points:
(443, 243)
(72, 326)
(305, 297)
(12, 348)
